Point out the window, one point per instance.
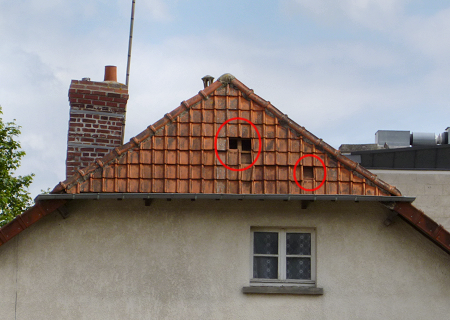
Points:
(283, 257)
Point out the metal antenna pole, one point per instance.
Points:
(130, 42)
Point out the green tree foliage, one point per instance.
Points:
(14, 196)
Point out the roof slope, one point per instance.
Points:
(177, 153)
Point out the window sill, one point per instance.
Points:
(283, 290)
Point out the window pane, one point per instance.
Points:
(265, 243)
(298, 243)
(265, 267)
(298, 268)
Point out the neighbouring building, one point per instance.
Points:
(223, 209)
(417, 163)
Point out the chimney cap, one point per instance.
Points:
(110, 73)
(207, 80)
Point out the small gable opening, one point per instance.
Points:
(308, 172)
(233, 143)
(244, 147)
(246, 144)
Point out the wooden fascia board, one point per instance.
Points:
(29, 217)
(423, 223)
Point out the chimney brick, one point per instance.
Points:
(97, 119)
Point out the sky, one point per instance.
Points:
(342, 69)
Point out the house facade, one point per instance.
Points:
(223, 209)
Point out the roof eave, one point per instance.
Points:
(424, 224)
(214, 196)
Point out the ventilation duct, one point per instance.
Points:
(423, 139)
(403, 139)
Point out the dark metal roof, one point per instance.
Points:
(412, 158)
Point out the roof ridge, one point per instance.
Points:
(226, 78)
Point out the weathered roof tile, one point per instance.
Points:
(176, 154)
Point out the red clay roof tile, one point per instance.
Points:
(177, 153)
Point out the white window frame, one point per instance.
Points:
(281, 280)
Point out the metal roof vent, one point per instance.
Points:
(443, 138)
(402, 139)
(423, 139)
(392, 138)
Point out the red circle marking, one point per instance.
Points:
(324, 172)
(259, 140)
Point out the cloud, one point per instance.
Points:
(342, 90)
(157, 9)
(429, 34)
(319, 86)
(374, 14)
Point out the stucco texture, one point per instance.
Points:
(190, 260)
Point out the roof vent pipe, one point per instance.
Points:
(110, 73)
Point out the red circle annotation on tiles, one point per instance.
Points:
(259, 140)
(324, 172)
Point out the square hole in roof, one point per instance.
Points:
(232, 143)
(308, 172)
(246, 144)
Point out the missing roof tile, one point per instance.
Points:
(246, 144)
(308, 172)
(233, 143)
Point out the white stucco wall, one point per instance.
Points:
(8, 277)
(190, 260)
(431, 189)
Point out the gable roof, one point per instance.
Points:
(176, 155)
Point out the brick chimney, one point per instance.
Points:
(97, 119)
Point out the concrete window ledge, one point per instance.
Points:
(283, 290)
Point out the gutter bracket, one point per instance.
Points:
(391, 215)
(305, 203)
(63, 211)
(388, 204)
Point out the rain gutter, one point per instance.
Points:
(195, 196)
